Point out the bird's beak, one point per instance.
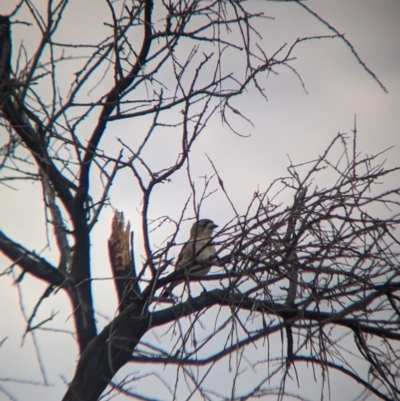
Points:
(214, 226)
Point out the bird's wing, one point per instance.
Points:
(185, 255)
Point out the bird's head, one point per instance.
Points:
(202, 229)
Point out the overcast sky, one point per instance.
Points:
(293, 123)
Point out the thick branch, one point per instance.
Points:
(30, 262)
(113, 97)
(107, 353)
(226, 298)
(34, 141)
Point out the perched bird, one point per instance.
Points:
(198, 249)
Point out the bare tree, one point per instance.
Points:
(320, 274)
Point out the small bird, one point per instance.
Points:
(198, 249)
